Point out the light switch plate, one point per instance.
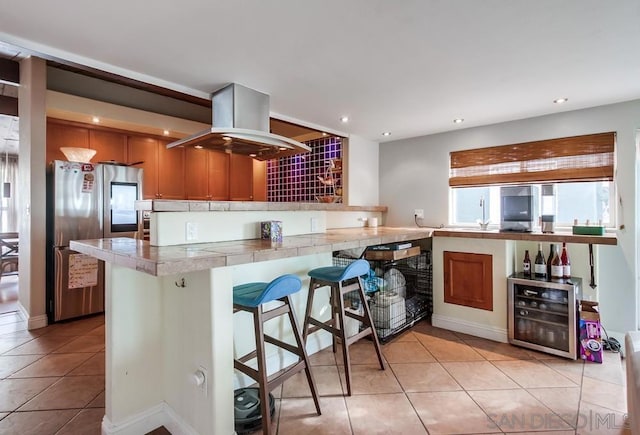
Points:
(191, 231)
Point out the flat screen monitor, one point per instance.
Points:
(517, 208)
(124, 217)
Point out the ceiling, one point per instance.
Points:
(407, 67)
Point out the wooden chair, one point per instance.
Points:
(342, 280)
(8, 253)
(251, 298)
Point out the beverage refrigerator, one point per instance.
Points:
(543, 315)
(85, 201)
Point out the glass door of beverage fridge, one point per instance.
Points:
(543, 314)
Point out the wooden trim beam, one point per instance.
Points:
(126, 81)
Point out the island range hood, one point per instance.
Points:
(240, 125)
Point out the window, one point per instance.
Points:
(583, 200)
(580, 167)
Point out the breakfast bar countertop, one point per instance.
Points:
(199, 205)
(167, 260)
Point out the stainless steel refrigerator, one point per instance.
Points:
(85, 201)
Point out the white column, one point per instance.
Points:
(31, 170)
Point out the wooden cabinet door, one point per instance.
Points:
(170, 171)
(145, 149)
(468, 279)
(218, 175)
(196, 175)
(241, 178)
(109, 146)
(61, 135)
(259, 180)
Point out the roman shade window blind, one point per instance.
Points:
(570, 159)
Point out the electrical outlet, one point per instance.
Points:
(191, 231)
(314, 224)
(419, 213)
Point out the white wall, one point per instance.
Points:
(414, 174)
(362, 171)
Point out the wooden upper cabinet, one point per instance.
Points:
(171, 171)
(109, 146)
(145, 149)
(207, 175)
(218, 175)
(259, 180)
(196, 174)
(63, 135)
(241, 178)
(177, 173)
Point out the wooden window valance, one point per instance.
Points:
(578, 158)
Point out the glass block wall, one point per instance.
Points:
(297, 178)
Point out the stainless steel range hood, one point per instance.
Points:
(241, 126)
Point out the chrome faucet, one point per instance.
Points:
(484, 222)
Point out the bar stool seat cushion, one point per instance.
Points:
(338, 274)
(254, 294)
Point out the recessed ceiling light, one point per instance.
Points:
(198, 147)
(252, 155)
(386, 133)
(458, 120)
(282, 149)
(166, 132)
(227, 138)
(560, 100)
(344, 119)
(324, 134)
(95, 119)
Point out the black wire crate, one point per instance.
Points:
(399, 292)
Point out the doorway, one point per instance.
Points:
(9, 237)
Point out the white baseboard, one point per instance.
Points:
(175, 424)
(148, 420)
(470, 328)
(33, 322)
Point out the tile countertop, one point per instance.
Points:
(556, 237)
(185, 205)
(167, 260)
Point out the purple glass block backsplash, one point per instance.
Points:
(295, 178)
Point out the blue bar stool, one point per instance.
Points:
(250, 297)
(342, 280)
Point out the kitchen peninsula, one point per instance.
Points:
(169, 309)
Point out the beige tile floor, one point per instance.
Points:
(435, 382)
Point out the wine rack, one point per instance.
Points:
(543, 314)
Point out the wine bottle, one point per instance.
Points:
(552, 251)
(526, 264)
(556, 265)
(540, 267)
(566, 263)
